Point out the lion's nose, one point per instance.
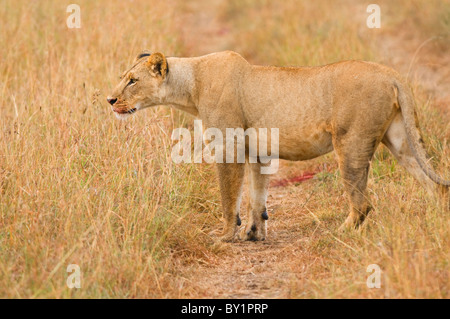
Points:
(111, 100)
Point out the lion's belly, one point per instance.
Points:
(298, 147)
(302, 135)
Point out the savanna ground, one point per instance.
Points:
(79, 187)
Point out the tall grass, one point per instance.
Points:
(77, 186)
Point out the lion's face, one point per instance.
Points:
(140, 86)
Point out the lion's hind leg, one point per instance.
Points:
(354, 155)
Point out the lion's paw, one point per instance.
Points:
(254, 233)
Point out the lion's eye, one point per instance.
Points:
(132, 81)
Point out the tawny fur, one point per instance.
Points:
(349, 107)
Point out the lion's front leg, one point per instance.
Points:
(231, 176)
(256, 228)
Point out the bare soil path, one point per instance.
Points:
(265, 269)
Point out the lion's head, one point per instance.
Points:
(140, 86)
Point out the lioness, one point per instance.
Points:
(349, 107)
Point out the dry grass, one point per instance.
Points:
(79, 187)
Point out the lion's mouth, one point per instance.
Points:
(124, 111)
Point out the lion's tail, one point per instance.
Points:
(414, 138)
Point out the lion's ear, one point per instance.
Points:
(157, 64)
